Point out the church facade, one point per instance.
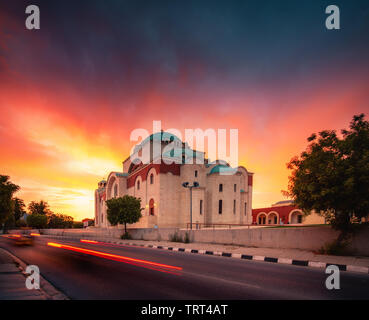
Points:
(155, 172)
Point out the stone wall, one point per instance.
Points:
(305, 238)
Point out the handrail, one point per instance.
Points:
(199, 225)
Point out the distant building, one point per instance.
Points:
(284, 212)
(224, 194)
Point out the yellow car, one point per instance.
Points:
(20, 239)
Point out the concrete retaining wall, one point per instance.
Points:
(305, 238)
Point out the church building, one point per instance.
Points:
(155, 173)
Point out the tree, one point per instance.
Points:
(123, 210)
(19, 210)
(77, 225)
(7, 189)
(332, 175)
(59, 221)
(37, 221)
(41, 207)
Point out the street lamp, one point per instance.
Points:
(187, 185)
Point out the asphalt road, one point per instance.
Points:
(85, 276)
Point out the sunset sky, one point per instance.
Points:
(72, 92)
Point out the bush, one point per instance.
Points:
(20, 223)
(37, 221)
(334, 248)
(77, 225)
(175, 237)
(59, 221)
(187, 238)
(126, 236)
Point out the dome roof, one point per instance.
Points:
(179, 152)
(223, 169)
(161, 136)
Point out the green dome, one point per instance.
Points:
(223, 169)
(161, 136)
(179, 152)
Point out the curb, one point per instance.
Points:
(47, 289)
(302, 263)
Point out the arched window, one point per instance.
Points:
(152, 207)
(115, 191)
(151, 178)
(138, 185)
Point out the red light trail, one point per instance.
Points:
(137, 262)
(89, 241)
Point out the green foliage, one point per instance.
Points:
(126, 236)
(20, 224)
(77, 225)
(335, 248)
(19, 208)
(59, 221)
(40, 215)
(332, 175)
(41, 207)
(37, 221)
(187, 238)
(175, 237)
(9, 223)
(7, 189)
(123, 210)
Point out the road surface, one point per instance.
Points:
(91, 275)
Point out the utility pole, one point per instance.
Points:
(187, 185)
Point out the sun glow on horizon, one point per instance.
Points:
(69, 99)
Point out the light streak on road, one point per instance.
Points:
(138, 262)
(89, 241)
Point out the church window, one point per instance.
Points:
(151, 207)
(220, 206)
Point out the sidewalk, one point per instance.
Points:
(293, 254)
(284, 256)
(13, 282)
